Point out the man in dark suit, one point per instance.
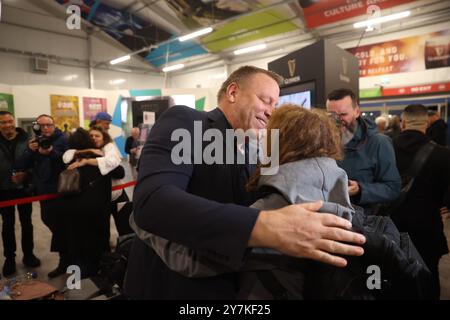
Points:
(204, 206)
(437, 128)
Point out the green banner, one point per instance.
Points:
(370, 93)
(200, 104)
(247, 29)
(6, 102)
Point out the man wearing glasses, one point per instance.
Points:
(44, 156)
(369, 157)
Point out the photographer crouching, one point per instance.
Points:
(44, 156)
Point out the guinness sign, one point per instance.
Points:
(291, 65)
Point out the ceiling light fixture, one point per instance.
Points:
(128, 56)
(369, 23)
(116, 82)
(70, 77)
(173, 68)
(250, 49)
(195, 34)
(121, 59)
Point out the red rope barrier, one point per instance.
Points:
(123, 186)
(44, 197)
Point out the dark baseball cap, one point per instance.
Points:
(103, 116)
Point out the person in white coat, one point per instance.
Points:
(109, 156)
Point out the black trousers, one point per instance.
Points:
(122, 216)
(54, 217)
(9, 222)
(432, 262)
(431, 254)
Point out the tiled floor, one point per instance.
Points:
(42, 238)
(50, 260)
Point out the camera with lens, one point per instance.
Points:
(43, 142)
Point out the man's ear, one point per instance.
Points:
(358, 111)
(231, 92)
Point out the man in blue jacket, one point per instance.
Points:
(205, 206)
(44, 156)
(369, 158)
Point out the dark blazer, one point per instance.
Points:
(8, 158)
(130, 143)
(198, 205)
(419, 214)
(88, 215)
(438, 132)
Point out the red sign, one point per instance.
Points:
(422, 89)
(320, 12)
(416, 53)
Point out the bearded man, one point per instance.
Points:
(369, 157)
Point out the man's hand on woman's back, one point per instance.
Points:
(300, 231)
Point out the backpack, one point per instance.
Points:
(113, 265)
(408, 178)
(402, 272)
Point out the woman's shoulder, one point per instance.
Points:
(111, 147)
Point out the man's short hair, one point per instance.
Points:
(339, 94)
(46, 116)
(380, 119)
(4, 113)
(415, 116)
(240, 75)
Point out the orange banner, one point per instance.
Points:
(417, 53)
(64, 109)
